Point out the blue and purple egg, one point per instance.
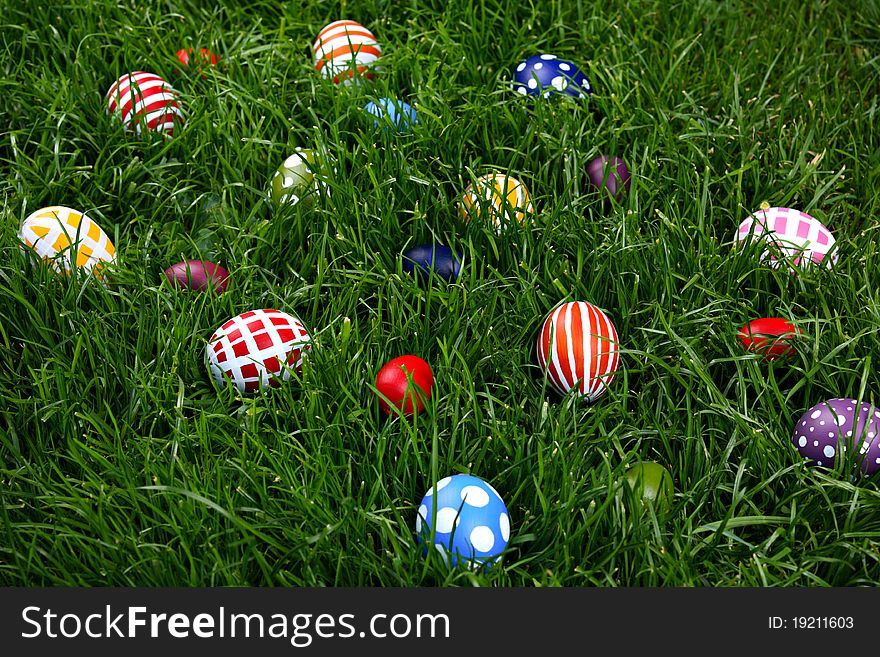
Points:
(423, 259)
(834, 427)
(547, 75)
(471, 526)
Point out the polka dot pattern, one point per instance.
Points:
(856, 434)
(472, 526)
(546, 76)
(301, 177)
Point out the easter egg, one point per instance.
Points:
(499, 199)
(145, 100)
(578, 349)
(257, 348)
(301, 177)
(471, 525)
(392, 114)
(393, 383)
(792, 235)
(547, 75)
(652, 483)
(772, 337)
(610, 176)
(67, 238)
(423, 259)
(345, 51)
(197, 275)
(204, 57)
(834, 426)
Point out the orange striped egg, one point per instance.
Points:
(67, 238)
(144, 99)
(344, 49)
(501, 199)
(578, 349)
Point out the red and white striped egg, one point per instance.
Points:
(578, 349)
(257, 348)
(802, 240)
(345, 49)
(144, 99)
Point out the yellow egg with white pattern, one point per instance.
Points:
(499, 199)
(65, 238)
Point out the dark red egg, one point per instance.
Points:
(197, 275)
(772, 337)
(393, 381)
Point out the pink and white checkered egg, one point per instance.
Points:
(142, 98)
(256, 349)
(802, 239)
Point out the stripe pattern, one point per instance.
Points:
(67, 238)
(578, 349)
(802, 239)
(500, 198)
(257, 348)
(145, 99)
(345, 49)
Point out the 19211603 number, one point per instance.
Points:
(822, 622)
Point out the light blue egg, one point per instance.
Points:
(391, 113)
(471, 526)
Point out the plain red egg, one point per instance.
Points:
(393, 381)
(197, 275)
(185, 55)
(773, 337)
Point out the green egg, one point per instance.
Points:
(653, 483)
(299, 178)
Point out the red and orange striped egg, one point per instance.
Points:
(144, 99)
(498, 198)
(578, 349)
(346, 50)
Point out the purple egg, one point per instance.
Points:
(832, 425)
(609, 173)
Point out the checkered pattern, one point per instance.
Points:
(65, 238)
(257, 348)
(801, 238)
(503, 199)
(343, 48)
(145, 99)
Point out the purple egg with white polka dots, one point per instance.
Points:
(547, 75)
(827, 428)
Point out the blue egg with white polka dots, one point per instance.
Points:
(391, 114)
(471, 525)
(547, 75)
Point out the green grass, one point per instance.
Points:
(121, 464)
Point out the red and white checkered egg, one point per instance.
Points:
(345, 49)
(578, 349)
(141, 98)
(800, 238)
(257, 348)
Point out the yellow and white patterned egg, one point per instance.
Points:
(498, 199)
(67, 238)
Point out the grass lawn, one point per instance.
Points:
(121, 463)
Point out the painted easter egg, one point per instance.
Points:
(395, 389)
(772, 337)
(423, 259)
(499, 199)
(392, 115)
(67, 238)
(145, 100)
(346, 51)
(300, 178)
(792, 235)
(840, 425)
(547, 75)
(203, 58)
(471, 525)
(652, 483)
(257, 349)
(197, 275)
(610, 176)
(578, 349)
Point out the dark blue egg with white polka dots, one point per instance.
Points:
(547, 75)
(423, 259)
(466, 519)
